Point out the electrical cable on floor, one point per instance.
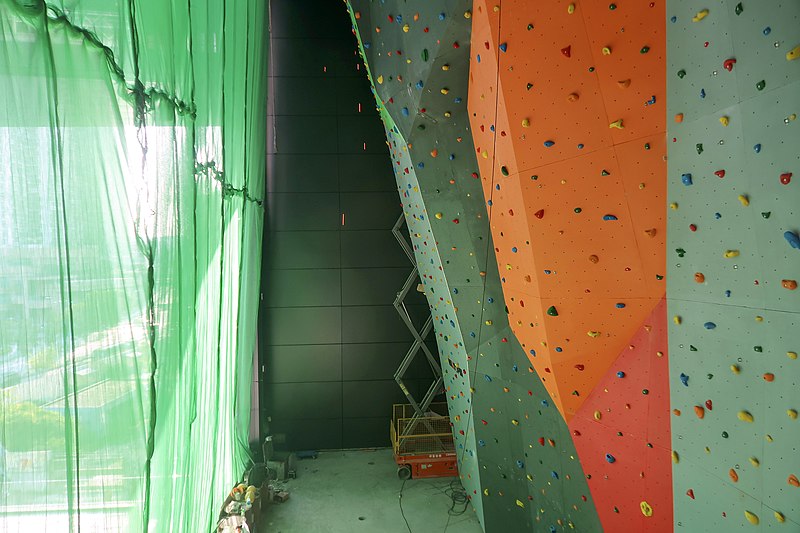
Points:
(458, 496)
(401, 506)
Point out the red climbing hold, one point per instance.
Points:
(541, 441)
(690, 493)
(567, 51)
(786, 177)
(728, 64)
(709, 405)
(580, 367)
(539, 214)
(693, 227)
(720, 174)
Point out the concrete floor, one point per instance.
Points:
(357, 491)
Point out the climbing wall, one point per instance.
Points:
(567, 104)
(516, 457)
(733, 79)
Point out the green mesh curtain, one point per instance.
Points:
(131, 175)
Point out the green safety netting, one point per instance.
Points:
(131, 175)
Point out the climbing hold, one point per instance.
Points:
(677, 320)
(548, 144)
(620, 374)
(757, 148)
(699, 277)
(724, 121)
(539, 214)
(769, 377)
(751, 517)
(789, 284)
(733, 475)
(552, 311)
(606, 51)
(735, 369)
(745, 416)
(700, 15)
(794, 53)
(760, 85)
(731, 253)
(617, 124)
(793, 481)
(504, 170)
(681, 73)
(690, 493)
(699, 411)
(503, 47)
(571, 9)
(598, 415)
(779, 516)
(786, 178)
(738, 9)
(526, 123)
(624, 84)
(728, 64)
(709, 325)
(686, 179)
(610, 458)
(609, 217)
(793, 239)
(439, 216)
(720, 174)
(744, 200)
(593, 334)
(566, 51)
(594, 259)
(646, 509)
(792, 413)
(573, 97)
(755, 462)
(675, 457)
(684, 379)
(709, 405)
(791, 355)
(644, 49)
(679, 118)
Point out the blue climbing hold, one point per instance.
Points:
(533, 352)
(767, 30)
(404, 111)
(610, 458)
(481, 443)
(452, 156)
(620, 374)
(455, 291)
(686, 179)
(548, 271)
(559, 349)
(490, 300)
(580, 146)
(702, 93)
(488, 378)
(503, 47)
(548, 144)
(709, 325)
(458, 100)
(545, 403)
(478, 57)
(793, 239)
(515, 368)
(609, 217)
(514, 249)
(554, 474)
(420, 85)
(684, 379)
(718, 215)
(757, 148)
(620, 306)
(441, 16)
(727, 294)
(673, 19)
(520, 464)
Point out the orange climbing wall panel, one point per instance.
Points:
(622, 434)
(577, 207)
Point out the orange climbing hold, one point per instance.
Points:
(733, 475)
(699, 277)
(793, 481)
(699, 411)
(789, 284)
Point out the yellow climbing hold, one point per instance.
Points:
(744, 416)
(571, 9)
(488, 322)
(732, 253)
(794, 53)
(755, 462)
(606, 51)
(791, 355)
(467, 14)
(406, 27)
(515, 422)
(646, 509)
(520, 504)
(735, 369)
(439, 216)
(724, 121)
(526, 123)
(792, 413)
(675, 457)
(598, 415)
(485, 154)
(744, 200)
(444, 90)
(380, 78)
(617, 124)
(769, 438)
(485, 492)
(779, 517)
(700, 15)
(677, 320)
(593, 334)
(751, 517)
(759, 318)
(445, 67)
(673, 205)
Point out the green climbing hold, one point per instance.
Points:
(504, 170)
(680, 252)
(699, 148)
(530, 27)
(529, 86)
(605, 173)
(766, 214)
(758, 349)
(591, 69)
(551, 311)
(760, 85)
(646, 146)
(535, 177)
(578, 209)
(612, 7)
(424, 54)
(681, 73)
(644, 50)
(738, 9)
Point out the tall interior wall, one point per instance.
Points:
(733, 80)
(330, 339)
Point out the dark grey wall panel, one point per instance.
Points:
(366, 172)
(304, 363)
(303, 249)
(303, 325)
(304, 211)
(303, 173)
(326, 322)
(369, 210)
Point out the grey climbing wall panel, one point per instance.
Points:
(733, 95)
(516, 456)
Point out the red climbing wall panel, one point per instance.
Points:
(574, 137)
(622, 434)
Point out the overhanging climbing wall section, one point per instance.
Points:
(516, 457)
(733, 79)
(567, 110)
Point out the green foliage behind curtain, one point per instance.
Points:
(132, 135)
